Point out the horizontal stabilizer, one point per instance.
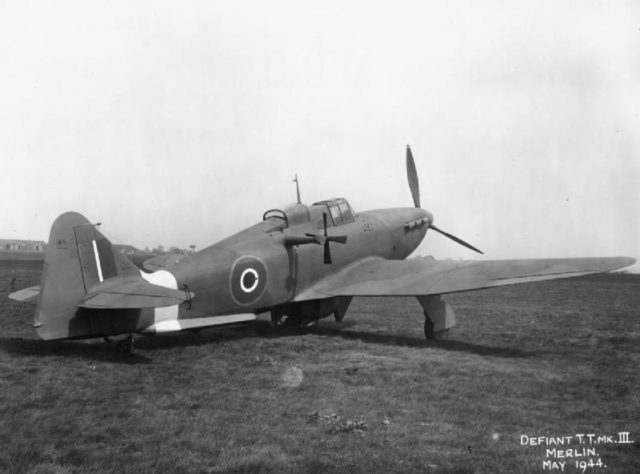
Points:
(26, 295)
(132, 292)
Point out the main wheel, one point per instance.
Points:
(429, 333)
(276, 318)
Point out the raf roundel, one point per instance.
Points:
(248, 280)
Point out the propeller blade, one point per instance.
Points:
(455, 239)
(412, 176)
(325, 239)
(291, 240)
(317, 239)
(327, 253)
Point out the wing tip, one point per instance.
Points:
(622, 262)
(25, 295)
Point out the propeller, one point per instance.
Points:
(455, 239)
(324, 239)
(414, 186)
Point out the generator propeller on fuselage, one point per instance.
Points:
(414, 186)
(319, 239)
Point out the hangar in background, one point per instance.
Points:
(17, 245)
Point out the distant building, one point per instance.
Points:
(16, 245)
(126, 249)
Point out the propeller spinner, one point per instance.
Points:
(414, 186)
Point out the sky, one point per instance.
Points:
(180, 123)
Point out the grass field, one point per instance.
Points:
(369, 395)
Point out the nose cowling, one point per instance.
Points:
(414, 186)
(409, 217)
(407, 226)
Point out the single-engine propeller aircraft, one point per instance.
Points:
(300, 263)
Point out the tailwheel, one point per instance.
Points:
(126, 345)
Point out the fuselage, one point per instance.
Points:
(254, 270)
(262, 268)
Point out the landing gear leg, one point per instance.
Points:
(126, 345)
(429, 333)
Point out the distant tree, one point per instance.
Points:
(158, 250)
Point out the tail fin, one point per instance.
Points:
(78, 258)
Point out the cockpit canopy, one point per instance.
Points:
(338, 210)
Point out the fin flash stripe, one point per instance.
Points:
(97, 255)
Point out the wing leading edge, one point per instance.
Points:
(427, 276)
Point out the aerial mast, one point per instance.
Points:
(295, 180)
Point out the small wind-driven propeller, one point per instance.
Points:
(414, 186)
(321, 239)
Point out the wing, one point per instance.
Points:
(427, 276)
